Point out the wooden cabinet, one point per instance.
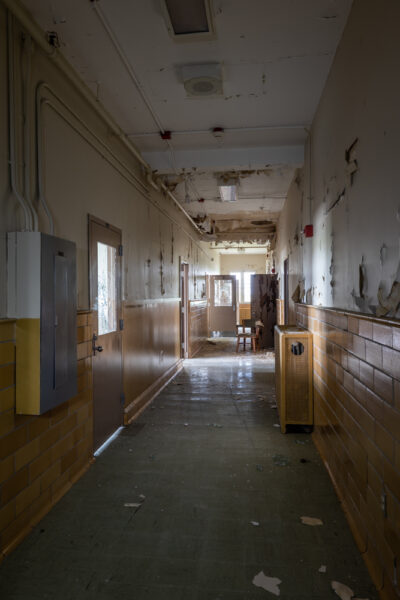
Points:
(293, 375)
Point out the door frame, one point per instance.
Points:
(184, 307)
(286, 291)
(93, 220)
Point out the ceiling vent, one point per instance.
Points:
(202, 80)
(189, 20)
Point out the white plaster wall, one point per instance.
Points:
(360, 101)
(232, 263)
(80, 180)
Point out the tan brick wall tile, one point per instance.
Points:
(38, 426)
(26, 454)
(382, 334)
(373, 354)
(13, 441)
(6, 468)
(7, 515)
(14, 485)
(384, 440)
(7, 353)
(7, 331)
(7, 399)
(7, 376)
(26, 497)
(365, 329)
(7, 421)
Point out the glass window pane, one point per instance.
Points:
(107, 289)
(247, 286)
(222, 292)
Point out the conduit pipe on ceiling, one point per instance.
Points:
(135, 80)
(28, 217)
(226, 130)
(37, 35)
(102, 148)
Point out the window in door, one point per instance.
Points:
(107, 291)
(222, 292)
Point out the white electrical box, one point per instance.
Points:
(41, 296)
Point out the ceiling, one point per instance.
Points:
(273, 57)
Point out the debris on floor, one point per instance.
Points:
(259, 468)
(311, 521)
(132, 504)
(304, 460)
(276, 425)
(255, 523)
(302, 442)
(322, 569)
(280, 460)
(270, 584)
(343, 591)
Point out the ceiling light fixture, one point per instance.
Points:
(227, 193)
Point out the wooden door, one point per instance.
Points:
(286, 291)
(184, 293)
(105, 252)
(223, 305)
(264, 292)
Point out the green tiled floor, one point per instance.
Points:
(204, 457)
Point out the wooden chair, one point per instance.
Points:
(242, 335)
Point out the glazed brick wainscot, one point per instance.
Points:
(357, 428)
(41, 457)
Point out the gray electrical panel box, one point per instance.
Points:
(42, 299)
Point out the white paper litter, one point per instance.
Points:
(322, 569)
(311, 521)
(255, 523)
(344, 592)
(133, 504)
(270, 584)
(276, 425)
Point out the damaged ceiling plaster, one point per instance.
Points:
(252, 215)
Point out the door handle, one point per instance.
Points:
(94, 347)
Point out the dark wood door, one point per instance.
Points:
(264, 292)
(223, 306)
(184, 284)
(105, 295)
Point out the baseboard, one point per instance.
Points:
(43, 512)
(138, 405)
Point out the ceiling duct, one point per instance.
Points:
(189, 20)
(202, 80)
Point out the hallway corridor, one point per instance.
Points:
(192, 501)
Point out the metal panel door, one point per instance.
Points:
(105, 293)
(223, 305)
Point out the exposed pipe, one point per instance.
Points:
(42, 100)
(21, 14)
(226, 130)
(28, 221)
(27, 122)
(125, 61)
(134, 78)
